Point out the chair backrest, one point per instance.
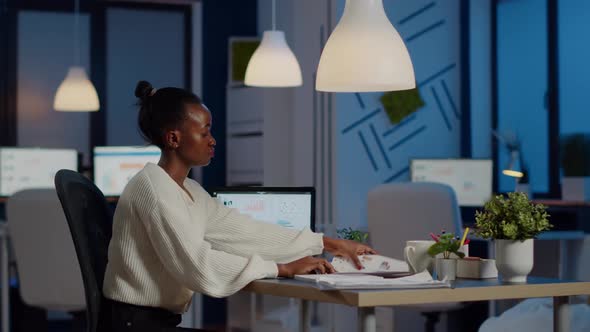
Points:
(399, 212)
(48, 271)
(90, 220)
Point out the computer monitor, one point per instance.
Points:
(291, 207)
(470, 178)
(114, 166)
(26, 168)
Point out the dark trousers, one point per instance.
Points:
(130, 318)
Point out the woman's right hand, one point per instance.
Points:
(305, 265)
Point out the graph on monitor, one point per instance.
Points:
(114, 166)
(291, 209)
(26, 168)
(471, 179)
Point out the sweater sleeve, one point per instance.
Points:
(179, 242)
(233, 232)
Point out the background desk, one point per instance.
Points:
(462, 291)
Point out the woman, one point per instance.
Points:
(170, 238)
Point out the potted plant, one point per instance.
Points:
(575, 162)
(351, 234)
(513, 222)
(446, 266)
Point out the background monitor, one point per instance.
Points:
(25, 168)
(289, 207)
(470, 178)
(114, 166)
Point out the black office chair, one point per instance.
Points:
(90, 220)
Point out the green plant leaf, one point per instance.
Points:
(512, 218)
(436, 249)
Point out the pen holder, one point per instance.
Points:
(476, 268)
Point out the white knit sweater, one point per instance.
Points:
(166, 246)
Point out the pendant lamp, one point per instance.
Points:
(273, 64)
(365, 53)
(76, 93)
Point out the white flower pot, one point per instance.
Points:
(446, 268)
(575, 188)
(514, 259)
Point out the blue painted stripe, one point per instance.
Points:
(368, 151)
(356, 123)
(427, 29)
(440, 108)
(453, 105)
(397, 175)
(416, 13)
(439, 73)
(360, 100)
(380, 145)
(408, 137)
(405, 121)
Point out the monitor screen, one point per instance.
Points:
(287, 207)
(470, 178)
(114, 166)
(25, 168)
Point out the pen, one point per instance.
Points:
(464, 236)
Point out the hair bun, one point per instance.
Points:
(143, 89)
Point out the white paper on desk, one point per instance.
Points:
(348, 281)
(371, 264)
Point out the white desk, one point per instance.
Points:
(462, 291)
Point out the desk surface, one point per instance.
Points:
(463, 290)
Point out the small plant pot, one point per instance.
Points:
(446, 268)
(514, 259)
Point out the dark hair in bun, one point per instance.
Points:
(161, 110)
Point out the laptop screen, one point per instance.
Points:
(287, 207)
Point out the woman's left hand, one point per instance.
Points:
(348, 249)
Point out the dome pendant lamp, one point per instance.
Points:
(365, 53)
(76, 93)
(273, 64)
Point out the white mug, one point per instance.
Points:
(417, 257)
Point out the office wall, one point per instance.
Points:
(522, 87)
(370, 150)
(573, 58)
(139, 49)
(45, 52)
(480, 52)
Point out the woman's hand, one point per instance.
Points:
(347, 248)
(305, 265)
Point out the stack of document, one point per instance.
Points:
(359, 281)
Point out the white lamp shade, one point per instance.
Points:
(365, 53)
(76, 93)
(273, 64)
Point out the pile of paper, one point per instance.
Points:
(358, 281)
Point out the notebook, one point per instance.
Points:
(377, 265)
